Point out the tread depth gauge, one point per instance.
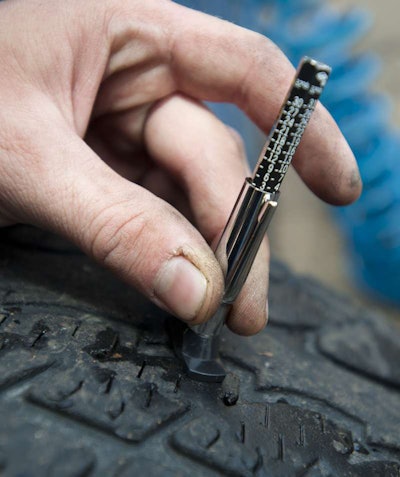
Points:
(251, 216)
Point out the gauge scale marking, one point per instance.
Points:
(288, 129)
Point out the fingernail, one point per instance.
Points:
(181, 287)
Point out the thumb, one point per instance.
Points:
(138, 236)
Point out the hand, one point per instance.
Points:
(104, 138)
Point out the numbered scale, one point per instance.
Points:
(252, 214)
(290, 125)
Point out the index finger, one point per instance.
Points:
(217, 61)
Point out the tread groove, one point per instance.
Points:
(24, 377)
(75, 331)
(214, 441)
(302, 435)
(39, 337)
(3, 318)
(140, 372)
(178, 383)
(150, 393)
(109, 384)
(281, 448)
(267, 416)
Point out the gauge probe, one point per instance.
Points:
(251, 215)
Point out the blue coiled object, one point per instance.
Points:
(313, 28)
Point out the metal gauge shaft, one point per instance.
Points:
(252, 214)
(288, 129)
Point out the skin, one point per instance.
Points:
(105, 140)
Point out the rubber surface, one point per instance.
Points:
(89, 385)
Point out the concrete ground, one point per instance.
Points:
(305, 235)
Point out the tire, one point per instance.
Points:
(89, 385)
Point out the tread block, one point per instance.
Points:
(370, 469)
(314, 306)
(386, 469)
(150, 467)
(283, 367)
(98, 397)
(269, 439)
(123, 343)
(68, 279)
(73, 463)
(373, 351)
(20, 364)
(209, 440)
(35, 450)
(47, 329)
(146, 412)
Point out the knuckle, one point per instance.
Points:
(16, 145)
(115, 239)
